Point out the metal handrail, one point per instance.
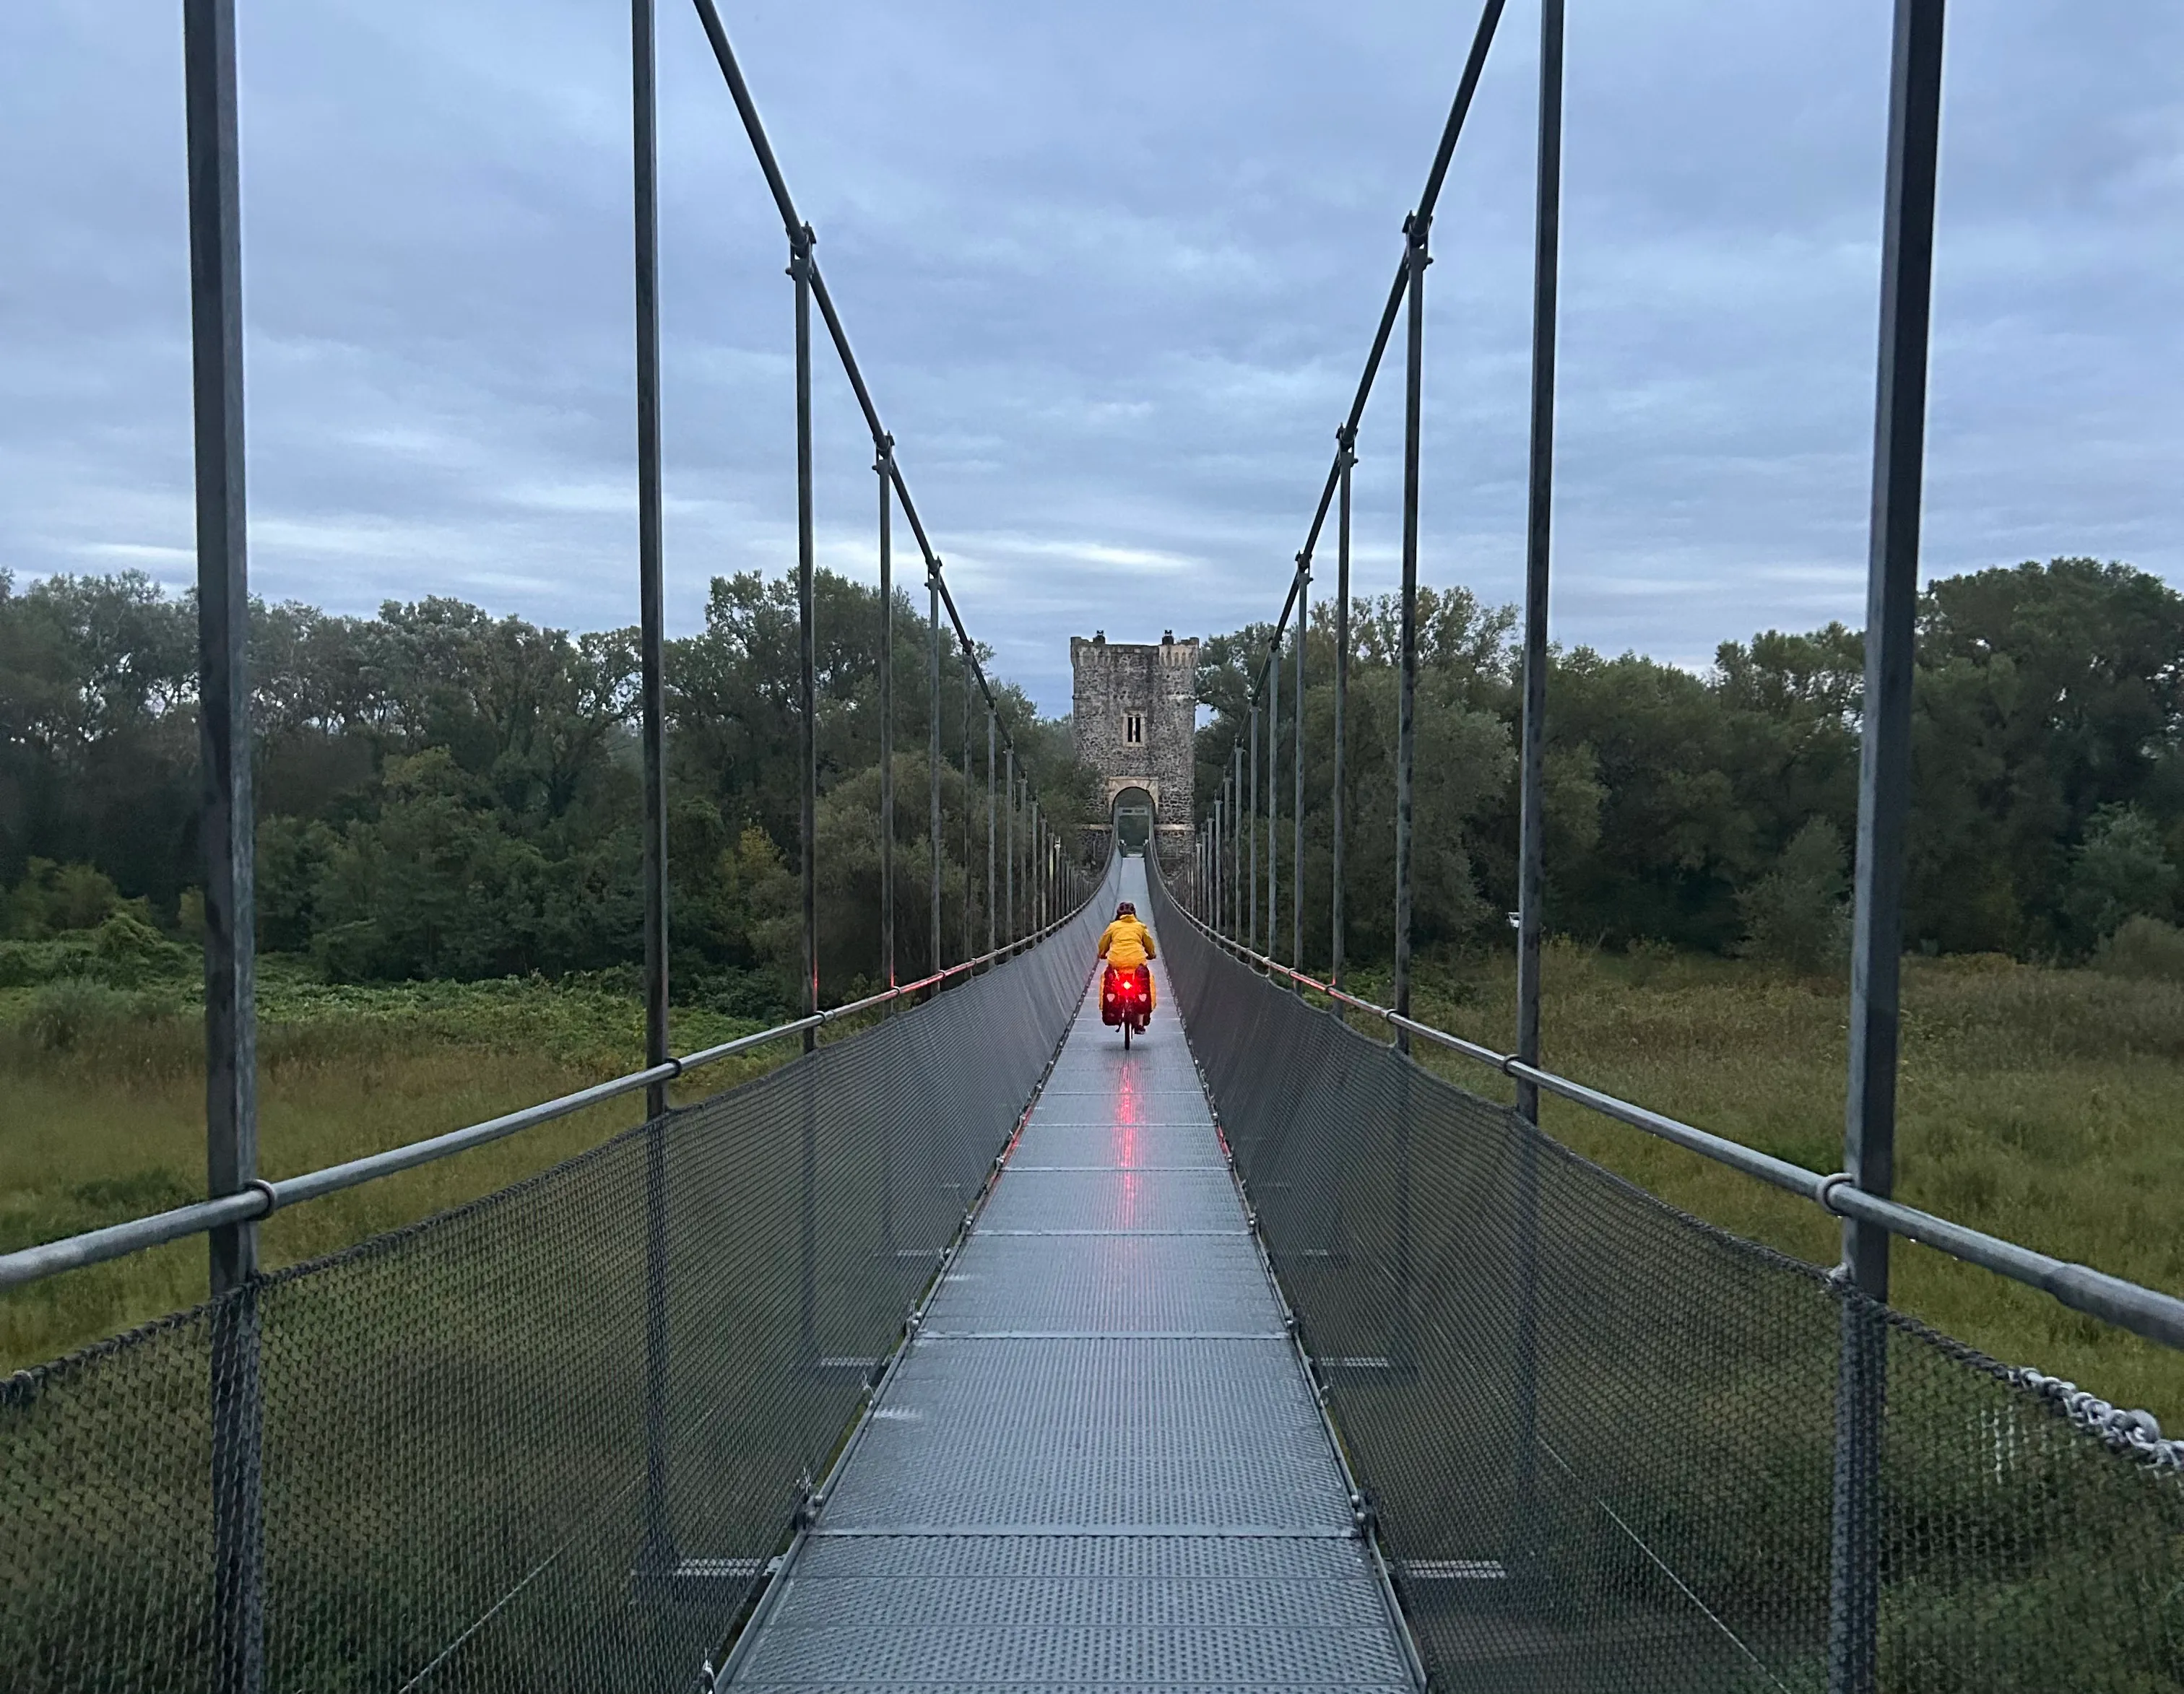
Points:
(2128, 1305)
(262, 1198)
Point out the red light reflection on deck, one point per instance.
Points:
(1128, 1115)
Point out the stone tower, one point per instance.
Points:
(1135, 708)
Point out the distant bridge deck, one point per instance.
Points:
(1100, 1463)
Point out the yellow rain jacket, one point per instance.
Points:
(1127, 944)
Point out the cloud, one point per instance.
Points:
(1112, 272)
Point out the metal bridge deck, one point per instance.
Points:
(1100, 1464)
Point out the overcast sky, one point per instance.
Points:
(1111, 271)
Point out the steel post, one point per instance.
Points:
(227, 834)
(1296, 761)
(1213, 861)
(1345, 441)
(1891, 605)
(807, 690)
(1524, 1537)
(1251, 830)
(657, 1554)
(1273, 786)
(1415, 228)
(651, 591)
(1240, 827)
(884, 465)
(933, 750)
(993, 840)
(1009, 849)
(1531, 851)
(1217, 883)
(1883, 812)
(970, 945)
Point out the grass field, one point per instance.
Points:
(2045, 1105)
(102, 1117)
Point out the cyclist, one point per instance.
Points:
(1126, 944)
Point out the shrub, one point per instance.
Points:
(78, 1010)
(2145, 948)
(1796, 915)
(2121, 871)
(53, 899)
(130, 951)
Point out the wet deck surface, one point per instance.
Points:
(1100, 1464)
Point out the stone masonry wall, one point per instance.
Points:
(1157, 684)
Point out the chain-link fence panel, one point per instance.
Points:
(1599, 1435)
(546, 1441)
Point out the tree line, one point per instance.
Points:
(442, 792)
(1716, 811)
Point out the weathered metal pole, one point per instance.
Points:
(1009, 854)
(1415, 228)
(1346, 441)
(884, 465)
(1524, 1536)
(1240, 827)
(1251, 828)
(657, 1554)
(1273, 786)
(993, 840)
(807, 686)
(970, 944)
(1213, 912)
(1531, 827)
(933, 748)
(228, 835)
(651, 591)
(1884, 799)
(807, 691)
(1296, 759)
(1222, 826)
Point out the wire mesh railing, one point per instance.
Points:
(1599, 1438)
(1238, 895)
(372, 1470)
(548, 1439)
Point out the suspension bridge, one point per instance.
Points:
(966, 1349)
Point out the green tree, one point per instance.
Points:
(2120, 871)
(1798, 914)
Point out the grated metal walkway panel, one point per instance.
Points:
(1100, 1464)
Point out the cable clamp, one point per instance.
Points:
(259, 1185)
(1826, 1196)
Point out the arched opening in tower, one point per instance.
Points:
(1132, 811)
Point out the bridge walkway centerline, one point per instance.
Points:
(1099, 1463)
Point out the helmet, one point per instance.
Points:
(1126, 910)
